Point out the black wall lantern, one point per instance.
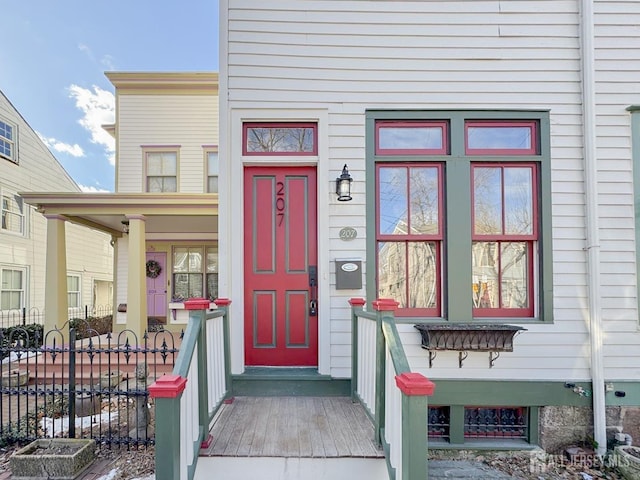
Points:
(343, 185)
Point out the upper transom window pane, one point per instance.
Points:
(412, 138)
(280, 139)
(501, 138)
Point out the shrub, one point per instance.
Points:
(91, 326)
(30, 336)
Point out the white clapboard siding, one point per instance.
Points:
(617, 66)
(349, 56)
(187, 121)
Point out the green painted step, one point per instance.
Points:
(288, 381)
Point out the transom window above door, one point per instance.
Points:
(462, 213)
(280, 138)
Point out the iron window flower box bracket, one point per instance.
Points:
(466, 338)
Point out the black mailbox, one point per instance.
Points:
(348, 274)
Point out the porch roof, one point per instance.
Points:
(163, 212)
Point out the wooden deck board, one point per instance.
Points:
(293, 427)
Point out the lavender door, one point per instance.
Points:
(157, 286)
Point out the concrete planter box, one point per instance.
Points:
(110, 379)
(14, 378)
(54, 459)
(628, 464)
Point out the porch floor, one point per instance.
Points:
(313, 427)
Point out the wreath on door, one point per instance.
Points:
(153, 269)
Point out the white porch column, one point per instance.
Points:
(56, 310)
(136, 277)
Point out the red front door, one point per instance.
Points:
(281, 319)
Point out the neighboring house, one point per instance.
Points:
(492, 147)
(163, 214)
(26, 165)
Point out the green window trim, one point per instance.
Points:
(634, 110)
(457, 244)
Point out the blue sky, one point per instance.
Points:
(54, 54)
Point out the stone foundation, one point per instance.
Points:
(561, 426)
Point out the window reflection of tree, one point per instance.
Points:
(500, 266)
(409, 207)
(285, 139)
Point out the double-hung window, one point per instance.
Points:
(73, 291)
(12, 213)
(213, 170)
(8, 141)
(12, 288)
(462, 213)
(195, 272)
(161, 171)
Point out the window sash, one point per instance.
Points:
(502, 279)
(161, 171)
(195, 272)
(503, 199)
(213, 170)
(506, 137)
(73, 291)
(7, 141)
(12, 288)
(280, 138)
(12, 214)
(409, 272)
(409, 200)
(412, 138)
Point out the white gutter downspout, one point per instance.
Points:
(592, 226)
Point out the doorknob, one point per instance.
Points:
(313, 293)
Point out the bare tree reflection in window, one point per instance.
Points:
(280, 139)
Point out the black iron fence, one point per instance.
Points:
(34, 315)
(56, 385)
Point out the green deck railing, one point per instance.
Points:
(188, 399)
(394, 397)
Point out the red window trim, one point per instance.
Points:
(532, 124)
(502, 312)
(405, 239)
(247, 125)
(413, 151)
(408, 165)
(534, 203)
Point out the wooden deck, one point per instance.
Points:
(293, 427)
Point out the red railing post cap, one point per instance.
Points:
(222, 302)
(357, 302)
(414, 383)
(167, 386)
(386, 304)
(197, 304)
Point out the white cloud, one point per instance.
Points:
(85, 49)
(91, 189)
(74, 150)
(107, 61)
(98, 108)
